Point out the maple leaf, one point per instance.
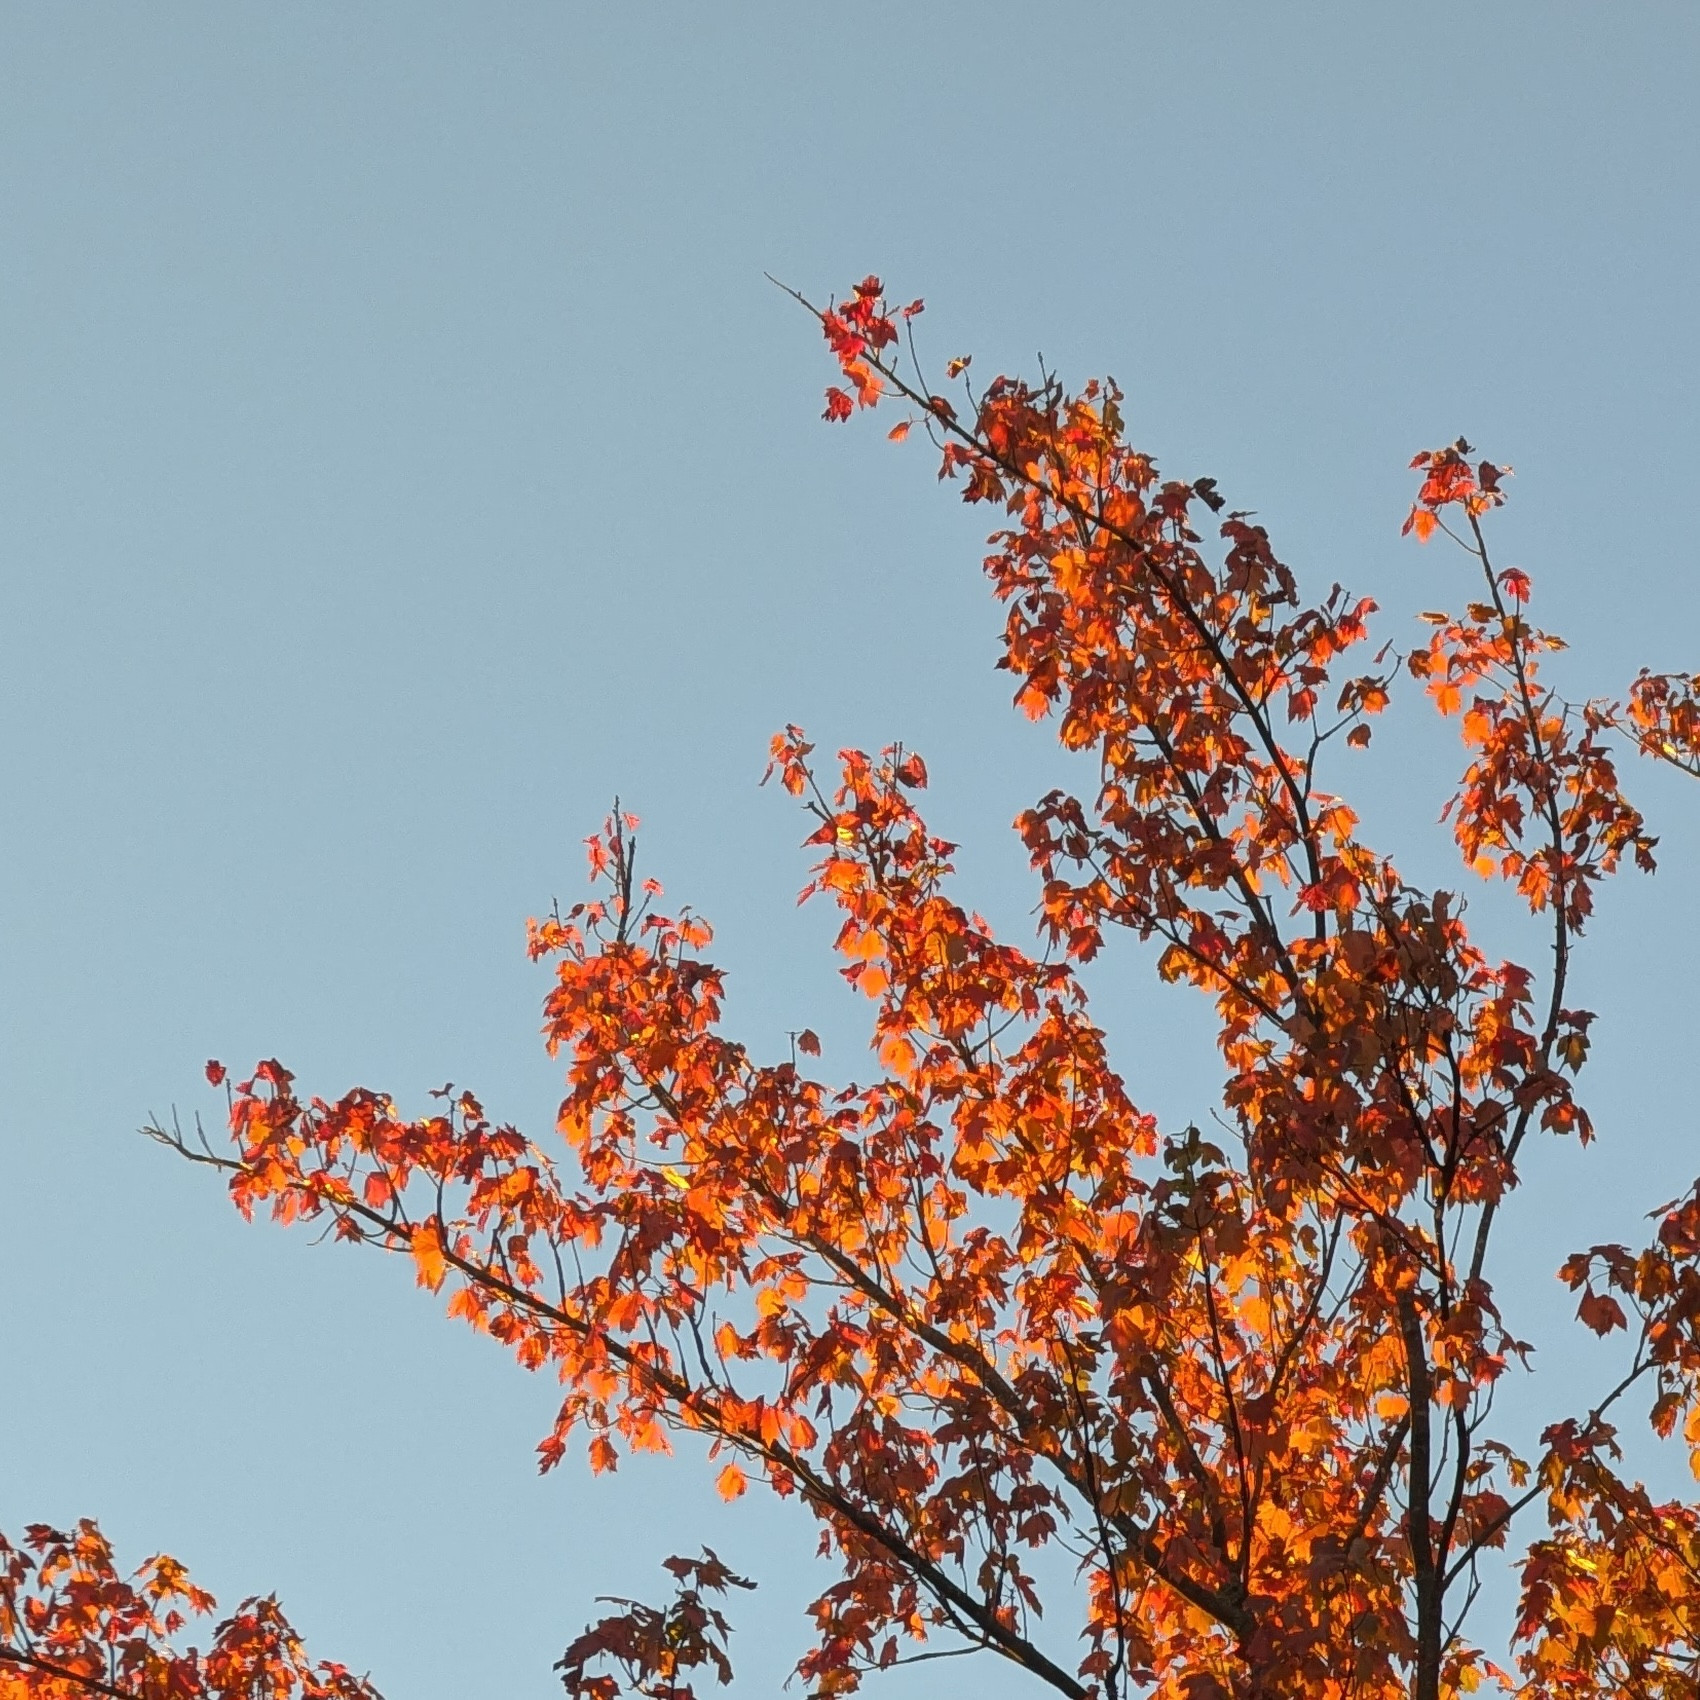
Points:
(1601, 1312)
(426, 1244)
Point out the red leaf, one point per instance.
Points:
(1601, 1312)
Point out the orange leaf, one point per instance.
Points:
(428, 1256)
(732, 1482)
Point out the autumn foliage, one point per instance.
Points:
(1133, 1408)
(73, 1624)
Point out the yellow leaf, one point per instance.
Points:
(732, 1482)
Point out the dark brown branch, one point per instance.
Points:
(32, 1661)
(1419, 1489)
(1561, 943)
(1384, 1467)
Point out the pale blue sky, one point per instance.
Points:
(400, 452)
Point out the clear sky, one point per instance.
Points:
(401, 452)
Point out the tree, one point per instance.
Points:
(984, 1313)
